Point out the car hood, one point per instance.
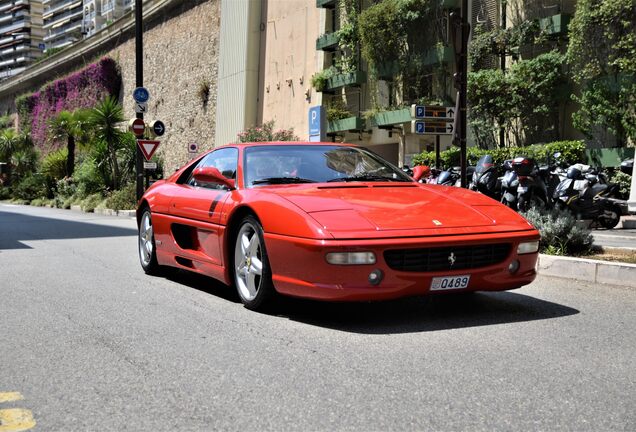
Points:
(349, 210)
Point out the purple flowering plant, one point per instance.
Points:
(82, 89)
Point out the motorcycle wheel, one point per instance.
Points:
(610, 217)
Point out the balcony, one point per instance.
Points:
(344, 80)
(353, 124)
(328, 4)
(327, 42)
(388, 118)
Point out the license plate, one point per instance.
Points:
(450, 282)
(522, 189)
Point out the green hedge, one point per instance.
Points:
(571, 152)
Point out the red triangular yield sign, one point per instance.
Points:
(148, 147)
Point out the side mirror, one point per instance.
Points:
(212, 175)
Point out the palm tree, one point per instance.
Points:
(9, 142)
(103, 120)
(70, 126)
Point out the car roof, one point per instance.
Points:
(287, 143)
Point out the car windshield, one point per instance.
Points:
(289, 164)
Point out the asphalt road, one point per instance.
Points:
(92, 344)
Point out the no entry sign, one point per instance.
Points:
(137, 126)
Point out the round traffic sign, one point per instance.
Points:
(158, 127)
(138, 127)
(141, 94)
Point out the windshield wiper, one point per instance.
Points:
(366, 177)
(282, 180)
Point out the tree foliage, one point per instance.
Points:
(266, 132)
(602, 57)
(524, 100)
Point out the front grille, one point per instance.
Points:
(439, 259)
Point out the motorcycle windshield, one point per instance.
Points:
(484, 164)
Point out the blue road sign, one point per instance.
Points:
(419, 127)
(317, 123)
(419, 111)
(141, 94)
(42, 46)
(158, 127)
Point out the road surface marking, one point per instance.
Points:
(14, 419)
(10, 397)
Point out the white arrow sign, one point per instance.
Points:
(141, 107)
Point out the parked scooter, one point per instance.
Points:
(532, 190)
(627, 166)
(509, 185)
(450, 177)
(485, 179)
(587, 201)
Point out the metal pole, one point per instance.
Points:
(437, 152)
(139, 81)
(465, 29)
(504, 6)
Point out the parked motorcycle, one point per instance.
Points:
(587, 201)
(485, 179)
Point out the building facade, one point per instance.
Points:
(100, 13)
(20, 35)
(62, 22)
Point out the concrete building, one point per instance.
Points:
(100, 13)
(20, 35)
(62, 22)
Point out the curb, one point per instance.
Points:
(107, 212)
(593, 271)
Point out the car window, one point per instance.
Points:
(224, 159)
(264, 165)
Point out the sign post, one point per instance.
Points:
(139, 82)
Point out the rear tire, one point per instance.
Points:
(252, 273)
(610, 218)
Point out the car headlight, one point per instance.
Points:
(350, 258)
(527, 247)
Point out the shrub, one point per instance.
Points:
(571, 152)
(54, 164)
(124, 199)
(88, 178)
(266, 133)
(30, 187)
(560, 234)
(624, 182)
(89, 203)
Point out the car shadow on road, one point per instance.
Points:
(18, 227)
(407, 315)
(423, 314)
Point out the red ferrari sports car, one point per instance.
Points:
(328, 221)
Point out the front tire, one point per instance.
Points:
(146, 243)
(252, 273)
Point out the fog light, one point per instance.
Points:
(514, 266)
(528, 247)
(375, 277)
(350, 258)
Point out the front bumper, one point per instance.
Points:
(299, 267)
